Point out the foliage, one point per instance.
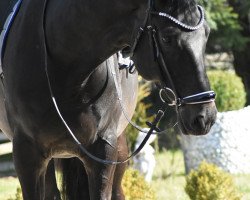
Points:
(229, 89)
(210, 182)
(140, 116)
(225, 26)
(135, 187)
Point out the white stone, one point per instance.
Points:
(226, 145)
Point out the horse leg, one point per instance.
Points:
(100, 176)
(30, 165)
(117, 192)
(51, 190)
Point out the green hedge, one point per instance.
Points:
(229, 89)
(211, 183)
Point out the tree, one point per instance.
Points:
(242, 55)
(230, 32)
(225, 28)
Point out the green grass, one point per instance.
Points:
(168, 179)
(242, 182)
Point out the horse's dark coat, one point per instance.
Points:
(80, 35)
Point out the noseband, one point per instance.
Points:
(199, 98)
(168, 96)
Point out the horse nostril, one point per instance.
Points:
(199, 123)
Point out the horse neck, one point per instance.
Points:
(88, 33)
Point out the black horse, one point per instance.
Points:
(53, 49)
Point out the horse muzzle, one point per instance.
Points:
(197, 119)
(196, 113)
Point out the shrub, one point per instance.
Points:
(229, 89)
(135, 187)
(210, 183)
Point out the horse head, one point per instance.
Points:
(170, 50)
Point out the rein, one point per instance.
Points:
(119, 95)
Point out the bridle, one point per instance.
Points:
(204, 97)
(168, 94)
